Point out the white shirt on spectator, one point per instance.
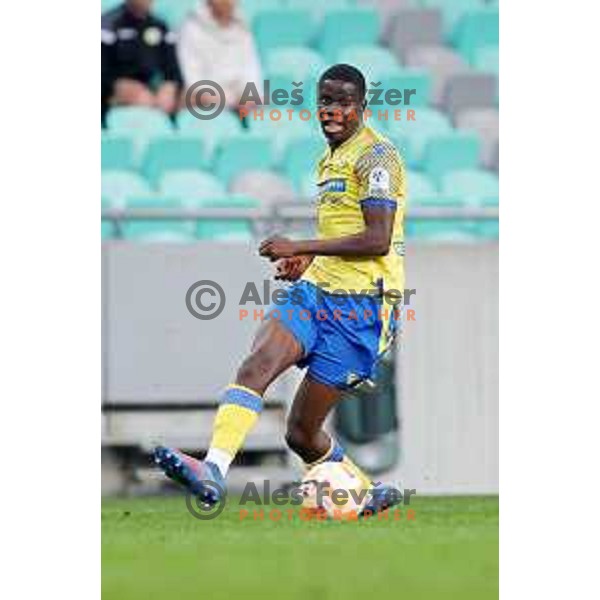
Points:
(226, 55)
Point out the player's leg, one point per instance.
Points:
(274, 350)
(305, 434)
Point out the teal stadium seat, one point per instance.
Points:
(191, 186)
(250, 8)
(410, 79)
(242, 153)
(428, 123)
(117, 152)
(474, 186)
(213, 131)
(174, 11)
(475, 29)
(280, 28)
(137, 120)
(346, 27)
(419, 186)
(173, 152)
(140, 123)
(295, 63)
(229, 229)
(300, 161)
(375, 62)
(449, 152)
(440, 230)
(156, 229)
(452, 11)
(117, 186)
(107, 5)
(285, 131)
(487, 59)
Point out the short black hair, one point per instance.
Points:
(344, 72)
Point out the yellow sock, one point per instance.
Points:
(235, 418)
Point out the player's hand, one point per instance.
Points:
(291, 269)
(277, 247)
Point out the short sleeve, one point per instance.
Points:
(380, 173)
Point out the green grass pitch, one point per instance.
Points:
(154, 549)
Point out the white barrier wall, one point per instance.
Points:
(156, 353)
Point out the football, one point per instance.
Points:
(334, 488)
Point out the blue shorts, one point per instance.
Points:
(341, 335)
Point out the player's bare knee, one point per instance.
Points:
(257, 371)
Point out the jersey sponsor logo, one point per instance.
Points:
(379, 181)
(333, 185)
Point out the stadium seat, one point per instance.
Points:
(228, 229)
(117, 152)
(119, 185)
(283, 132)
(442, 63)
(475, 29)
(419, 186)
(295, 63)
(448, 152)
(213, 131)
(483, 121)
(106, 5)
(242, 153)
(320, 9)
(250, 8)
(452, 11)
(472, 185)
(156, 229)
(428, 123)
(411, 79)
(191, 186)
(487, 59)
(173, 152)
(375, 62)
(345, 27)
(280, 28)
(387, 10)
(440, 230)
(137, 121)
(108, 230)
(413, 28)
(266, 186)
(300, 160)
(465, 91)
(174, 11)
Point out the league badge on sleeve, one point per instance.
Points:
(379, 181)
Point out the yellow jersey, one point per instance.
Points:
(365, 169)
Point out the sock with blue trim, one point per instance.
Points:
(337, 454)
(235, 418)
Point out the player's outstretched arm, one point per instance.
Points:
(374, 240)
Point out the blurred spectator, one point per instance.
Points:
(139, 63)
(215, 44)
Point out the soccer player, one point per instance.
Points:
(342, 276)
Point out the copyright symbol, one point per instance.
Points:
(199, 508)
(202, 308)
(205, 111)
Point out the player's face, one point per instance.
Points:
(340, 110)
